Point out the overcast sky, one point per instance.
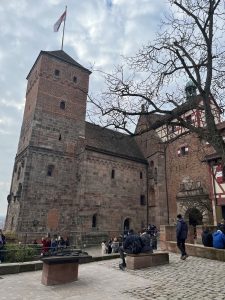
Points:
(97, 33)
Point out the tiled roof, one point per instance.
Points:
(108, 141)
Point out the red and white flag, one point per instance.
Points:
(59, 22)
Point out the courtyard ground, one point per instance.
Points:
(196, 278)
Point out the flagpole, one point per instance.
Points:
(63, 30)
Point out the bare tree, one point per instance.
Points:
(189, 46)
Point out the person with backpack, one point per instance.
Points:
(207, 238)
(181, 234)
(131, 245)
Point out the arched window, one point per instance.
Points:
(50, 170)
(62, 104)
(74, 79)
(12, 223)
(155, 175)
(142, 200)
(151, 170)
(94, 221)
(19, 191)
(18, 174)
(57, 73)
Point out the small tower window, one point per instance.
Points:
(113, 174)
(50, 170)
(62, 104)
(60, 137)
(74, 79)
(155, 175)
(57, 73)
(18, 174)
(183, 151)
(141, 175)
(142, 200)
(94, 221)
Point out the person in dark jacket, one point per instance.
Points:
(181, 233)
(146, 242)
(2, 244)
(132, 244)
(207, 239)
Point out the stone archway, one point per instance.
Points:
(194, 216)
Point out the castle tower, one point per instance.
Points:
(45, 179)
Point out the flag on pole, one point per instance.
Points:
(59, 22)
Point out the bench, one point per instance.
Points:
(146, 260)
(60, 269)
(197, 250)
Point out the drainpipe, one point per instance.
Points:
(147, 215)
(214, 200)
(167, 199)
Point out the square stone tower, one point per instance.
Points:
(45, 178)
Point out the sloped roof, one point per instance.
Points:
(111, 142)
(61, 55)
(178, 111)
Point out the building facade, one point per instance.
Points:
(75, 178)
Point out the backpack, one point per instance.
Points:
(136, 246)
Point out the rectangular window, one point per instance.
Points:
(57, 72)
(141, 175)
(182, 151)
(142, 200)
(113, 174)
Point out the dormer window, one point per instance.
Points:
(57, 73)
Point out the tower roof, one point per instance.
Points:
(63, 56)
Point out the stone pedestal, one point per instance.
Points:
(146, 260)
(59, 270)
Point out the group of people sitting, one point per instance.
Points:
(112, 246)
(51, 245)
(215, 239)
(135, 244)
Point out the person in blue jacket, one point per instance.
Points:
(219, 239)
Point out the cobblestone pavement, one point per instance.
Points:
(195, 278)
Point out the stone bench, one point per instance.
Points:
(60, 269)
(197, 250)
(146, 260)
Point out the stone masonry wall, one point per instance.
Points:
(112, 199)
(186, 167)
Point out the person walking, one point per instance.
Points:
(181, 234)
